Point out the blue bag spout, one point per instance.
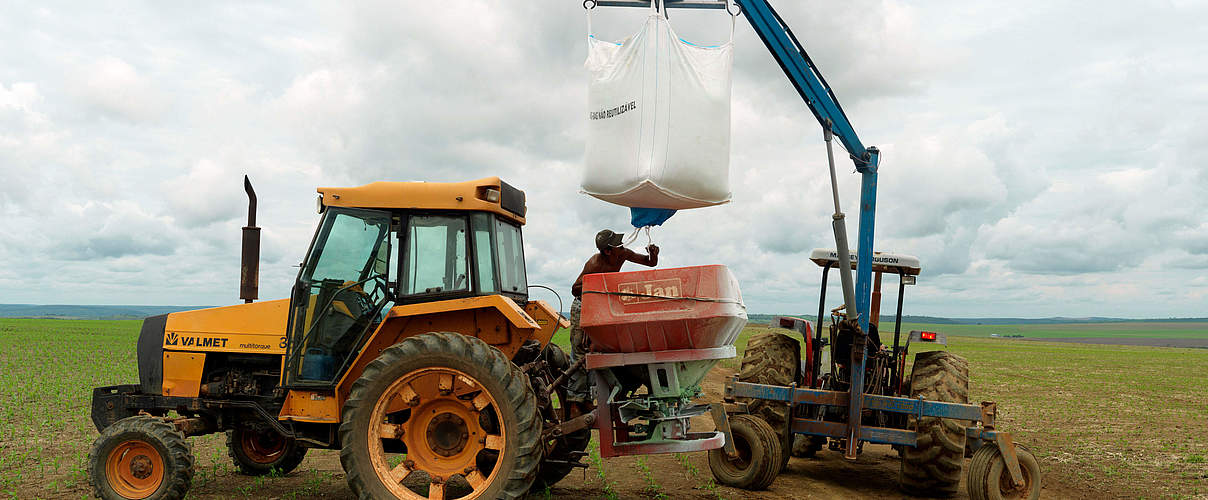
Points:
(645, 217)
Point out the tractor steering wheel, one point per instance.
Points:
(379, 285)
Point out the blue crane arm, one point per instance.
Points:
(813, 88)
(817, 94)
(805, 77)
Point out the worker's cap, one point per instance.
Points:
(607, 239)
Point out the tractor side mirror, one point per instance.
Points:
(908, 279)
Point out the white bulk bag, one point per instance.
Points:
(658, 133)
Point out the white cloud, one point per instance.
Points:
(203, 195)
(114, 88)
(1040, 161)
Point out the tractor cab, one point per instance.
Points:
(907, 268)
(396, 243)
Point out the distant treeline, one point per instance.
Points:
(935, 320)
(67, 311)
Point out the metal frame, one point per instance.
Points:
(670, 4)
(614, 434)
(982, 415)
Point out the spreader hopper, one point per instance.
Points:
(654, 336)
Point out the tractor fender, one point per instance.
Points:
(495, 319)
(506, 306)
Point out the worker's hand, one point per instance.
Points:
(652, 250)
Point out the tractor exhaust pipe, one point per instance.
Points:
(249, 268)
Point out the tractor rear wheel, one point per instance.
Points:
(257, 452)
(441, 414)
(140, 457)
(933, 466)
(772, 359)
(989, 479)
(758, 460)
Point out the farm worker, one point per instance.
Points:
(612, 256)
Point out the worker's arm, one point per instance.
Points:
(650, 260)
(577, 288)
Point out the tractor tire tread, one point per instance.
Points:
(772, 359)
(933, 466)
(516, 394)
(978, 467)
(176, 450)
(764, 445)
(987, 463)
(287, 463)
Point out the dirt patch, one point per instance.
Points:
(1132, 341)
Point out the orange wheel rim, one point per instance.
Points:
(135, 469)
(438, 414)
(262, 447)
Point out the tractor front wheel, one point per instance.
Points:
(989, 478)
(140, 457)
(441, 415)
(261, 451)
(758, 459)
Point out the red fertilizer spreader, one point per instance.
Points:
(655, 334)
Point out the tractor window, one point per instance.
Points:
(511, 258)
(350, 250)
(484, 245)
(435, 258)
(340, 291)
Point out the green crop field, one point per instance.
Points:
(1129, 329)
(1123, 419)
(47, 370)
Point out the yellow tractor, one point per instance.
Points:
(408, 343)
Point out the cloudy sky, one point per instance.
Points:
(1041, 158)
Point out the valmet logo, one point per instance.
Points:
(173, 339)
